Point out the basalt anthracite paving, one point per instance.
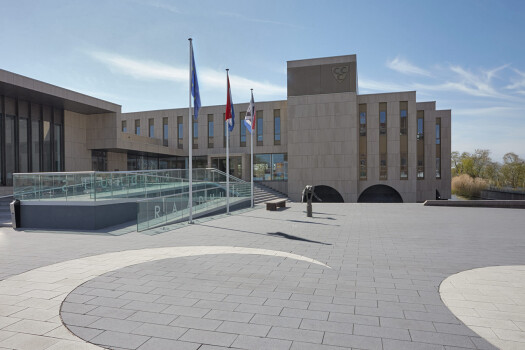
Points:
(380, 291)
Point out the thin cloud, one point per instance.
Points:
(208, 78)
(403, 66)
(159, 5)
(518, 82)
(256, 20)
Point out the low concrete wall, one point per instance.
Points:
(75, 216)
(502, 195)
(478, 204)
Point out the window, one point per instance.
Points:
(276, 126)
(137, 126)
(403, 141)
(362, 142)
(151, 127)
(124, 126)
(260, 127)
(23, 138)
(242, 115)
(420, 145)
(225, 130)
(270, 167)
(46, 149)
(180, 133)
(99, 160)
(438, 148)
(36, 137)
(195, 131)
(383, 166)
(165, 131)
(210, 130)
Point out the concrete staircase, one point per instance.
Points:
(262, 193)
(5, 212)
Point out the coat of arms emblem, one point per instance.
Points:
(340, 73)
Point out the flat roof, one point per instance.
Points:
(16, 85)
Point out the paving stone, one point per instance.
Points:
(390, 344)
(111, 312)
(159, 331)
(258, 309)
(327, 326)
(116, 339)
(113, 324)
(353, 341)
(442, 338)
(309, 336)
(166, 344)
(196, 322)
(280, 321)
(229, 316)
(84, 332)
(249, 342)
(151, 317)
(299, 313)
(208, 337)
(244, 328)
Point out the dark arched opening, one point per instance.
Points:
(380, 194)
(326, 194)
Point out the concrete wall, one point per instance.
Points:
(77, 156)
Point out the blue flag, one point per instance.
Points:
(195, 87)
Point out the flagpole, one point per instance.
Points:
(251, 146)
(227, 154)
(190, 141)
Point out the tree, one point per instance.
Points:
(513, 170)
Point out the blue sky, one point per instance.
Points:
(466, 55)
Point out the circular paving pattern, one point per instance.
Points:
(491, 302)
(239, 301)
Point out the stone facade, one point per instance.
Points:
(319, 134)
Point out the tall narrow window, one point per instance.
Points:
(243, 129)
(210, 130)
(165, 131)
(362, 142)
(46, 150)
(438, 148)
(137, 126)
(10, 138)
(420, 145)
(225, 130)
(403, 139)
(260, 127)
(195, 131)
(383, 168)
(23, 130)
(124, 126)
(58, 135)
(276, 126)
(36, 121)
(151, 127)
(180, 133)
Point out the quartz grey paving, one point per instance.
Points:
(387, 262)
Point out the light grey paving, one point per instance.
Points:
(382, 291)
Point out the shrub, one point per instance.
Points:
(468, 187)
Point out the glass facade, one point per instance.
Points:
(242, 115)
(151, 127)
(420, 145)
(180, 133)
(403, 140)
(276, 126)
(438, 148)
(165, 131)
(362, 142)
(259, 127)
(210, 130)
(270, 167)
(32, 138)
(383, 168)
(195, 131)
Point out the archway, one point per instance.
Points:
(326, 194)
(380, 194)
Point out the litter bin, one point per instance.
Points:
(15, 213)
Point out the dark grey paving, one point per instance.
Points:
(381, 293)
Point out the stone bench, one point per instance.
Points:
(276, 203)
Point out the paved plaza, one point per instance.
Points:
(355, 276)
